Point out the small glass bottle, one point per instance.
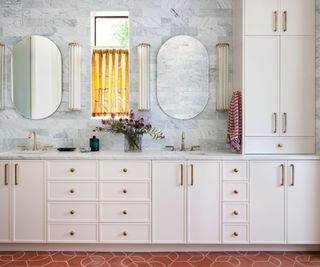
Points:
(94, 143)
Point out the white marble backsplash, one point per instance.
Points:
(151, 21)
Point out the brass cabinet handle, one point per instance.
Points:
(292, 175)
(192, 175)
(124, 233)
(285, 21)
(235, 213)
(280, 145)
(284, 121)
(16, 173)
(72, 170)
(275, 123)
(71, 191)
(124, 212)
(282, 174)
(72, 212)
(181, 174)
(124, 191)
(275, 14)
(6, 166)
(72, 233)
(235, 170)
(235, 191)
(235, 234)
(125, 170)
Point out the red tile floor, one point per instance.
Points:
(172, 259)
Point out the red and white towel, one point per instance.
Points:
(234, 136)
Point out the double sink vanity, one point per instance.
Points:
(158, 197)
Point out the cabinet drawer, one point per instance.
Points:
(235, 191)
(85, 212)
(73, 233)
(72, 191)
(235, 170)
(235, 212)
(235, 234)
(134, 212)
(124, 191)
(80, 169)
(125, 233)
(280, 145)
(131, 169)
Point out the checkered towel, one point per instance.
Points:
(234, 135)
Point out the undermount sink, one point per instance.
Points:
(177, 152)
(30, 152)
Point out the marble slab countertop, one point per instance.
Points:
(147, 155)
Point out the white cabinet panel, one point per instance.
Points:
(298, 85)
(29, 201)
(298, 17)
(261, 86)
(303, 202)
(169, 195)
(267, 191)
(203, 202)
(262, 17)
(5, 185)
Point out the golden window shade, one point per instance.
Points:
(110, 82)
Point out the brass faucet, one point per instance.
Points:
(34, 146)
(183, 147)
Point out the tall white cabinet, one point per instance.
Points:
(274, 65)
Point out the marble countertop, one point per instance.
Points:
(149, 155)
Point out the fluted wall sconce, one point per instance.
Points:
(2, 75)
(144, 76)
(223, 93)
(74, 76)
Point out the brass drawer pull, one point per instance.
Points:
(275, 14)
(6, 166)
(280, 145)
(235, 213)
(124, 191)
(275, 123)
(72, 212)
(235, 234)
(181, 174)
(192, 174)
(72, 170)
(16, 173)
(124, 233)
(284, 121)
(124, 212)
(236, 191)
(72, 233)
(285, 21)
(282, 174)
(72, 191)
(125, 170)
(292, 175)
(235, 170)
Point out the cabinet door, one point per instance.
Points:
(28, 201)
(298, 17)
(267, 191)
(168, 197)
(303, 203)
(262, 17)
(5, 184)
(298, 86)
(203, 202)
(261, 86)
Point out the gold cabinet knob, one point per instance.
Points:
(235, 213)
(71, 191)
(72, 170)
(124, 191)
(235, 170)
(72, 212)
(125, 170)
(124, 212)
(72, 233)
(235, 234)
(124, 233)
(235, 191)
(280, 145)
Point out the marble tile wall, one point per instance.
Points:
(152, 21)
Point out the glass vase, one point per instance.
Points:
(132, 143)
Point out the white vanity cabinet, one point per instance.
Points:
(186, 202)
(23, 203)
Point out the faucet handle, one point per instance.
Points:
(46, 147)
(23, 147)
(170, 147)
(194, 147)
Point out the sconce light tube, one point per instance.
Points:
(223, 94)
(144, 76)
(2, 75)
(74, 76)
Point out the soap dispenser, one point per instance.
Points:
(94, 143)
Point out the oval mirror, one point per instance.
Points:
(36, 77)
(182, 77)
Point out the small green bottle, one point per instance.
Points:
(94, 143)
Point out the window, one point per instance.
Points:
(110, 64)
